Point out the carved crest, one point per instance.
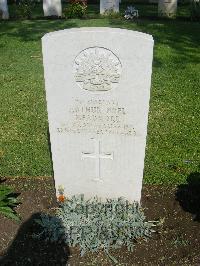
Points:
(97, 69)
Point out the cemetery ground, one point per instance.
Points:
(176, 241)
(172, 165)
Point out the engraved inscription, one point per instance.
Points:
(97, 117)
(97, 155)
(97, 69)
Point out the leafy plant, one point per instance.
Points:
(52, 227)
(76, 9)
(7, 202)
(95, 225)
(179, 241)
(24, 8)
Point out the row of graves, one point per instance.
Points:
(53, 8)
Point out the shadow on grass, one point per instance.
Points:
(26, 250)
(33, 30)
(188, 195)
(181, 37)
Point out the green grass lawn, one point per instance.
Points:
(173, 130)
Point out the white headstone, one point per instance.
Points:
(4, 9)
(98, 88)
(167, 8)
(52, 8)
(108, 6)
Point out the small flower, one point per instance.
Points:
(61, 198)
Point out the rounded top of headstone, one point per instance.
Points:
(136, 34)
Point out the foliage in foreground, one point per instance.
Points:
(7, 202)
(95, 225)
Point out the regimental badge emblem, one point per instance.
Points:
(97, 69)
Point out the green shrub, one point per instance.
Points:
(24, 9)
(7, 202)
(76, 9)
(93, 225)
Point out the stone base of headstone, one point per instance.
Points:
(167, 8)
(52, 8)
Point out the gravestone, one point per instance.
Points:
(52, 8)
(167, 8)
(97, 89)
(109, 6)
(4, 9)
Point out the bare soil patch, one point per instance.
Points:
(176, 242)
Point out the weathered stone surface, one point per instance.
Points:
(109, 6)
(52, 8)
(98, 88)
(167, 8)
(4, 9)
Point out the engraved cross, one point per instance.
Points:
(97, 155)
